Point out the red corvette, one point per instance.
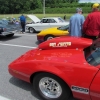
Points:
(62, 67)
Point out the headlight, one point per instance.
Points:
(4, 29)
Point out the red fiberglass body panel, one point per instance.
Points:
(95, 87)
(66, 43)
(63, 57)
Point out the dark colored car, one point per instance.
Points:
(8, 28)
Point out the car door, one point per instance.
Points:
(94, 59)
(45, 23)
(53, 23)
(81, 80)
(95, 87)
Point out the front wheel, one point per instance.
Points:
(50, 87)
(31, 30)
(48, 37)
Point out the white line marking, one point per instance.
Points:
(25, 34)
(17, 45)
(3, 98)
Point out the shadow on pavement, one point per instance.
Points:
(4, 38)
(27, 86)
(23, 85)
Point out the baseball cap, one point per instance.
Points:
(78, 9)
(95, 5)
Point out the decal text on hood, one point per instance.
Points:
(60, 44)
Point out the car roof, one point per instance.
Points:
(57, 19)
(36, 19)
(50, 17)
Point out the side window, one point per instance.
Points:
(48, 21)
(52, 21)
(45, 20)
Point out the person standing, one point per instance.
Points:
(76, 23)
(23, 22)
(91, 26)
(65, 17)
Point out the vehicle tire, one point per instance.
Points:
(48, 37)
(10, 35)
(32, 30)
(50, 87)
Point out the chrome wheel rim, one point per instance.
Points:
(50, 87)
(31, 30)
(49, 38)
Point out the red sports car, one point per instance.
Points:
(61, 68)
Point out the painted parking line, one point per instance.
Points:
(17, 45)
(26, 34)
(3, 98)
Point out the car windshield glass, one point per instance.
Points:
(92, 53)
(9, 25)
(4, 22)
(63, 27)
(94, 57)
(61, 20)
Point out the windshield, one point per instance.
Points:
(94, 57)
(61, 20)
(63, 27)
(92, 53)
(3, 22)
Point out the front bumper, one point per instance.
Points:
(7, 33)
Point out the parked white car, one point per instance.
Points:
(38, 25)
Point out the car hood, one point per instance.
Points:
(67, 50)
(54, 31)
(60, 56)
(48, 30)
(34, 18)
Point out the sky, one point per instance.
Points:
(87, 1)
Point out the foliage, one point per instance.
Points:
(36, 6)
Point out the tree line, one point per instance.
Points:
(36, 6)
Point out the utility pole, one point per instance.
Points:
(44, 8)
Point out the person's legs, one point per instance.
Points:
(23, 26)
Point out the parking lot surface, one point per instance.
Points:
(10, 48)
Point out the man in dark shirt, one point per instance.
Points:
(23, 22)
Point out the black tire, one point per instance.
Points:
(48, 37)
(10, 35)
(53, 84)
(31, 30)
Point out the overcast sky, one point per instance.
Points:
(86, 1)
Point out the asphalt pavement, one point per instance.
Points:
(10, 48)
